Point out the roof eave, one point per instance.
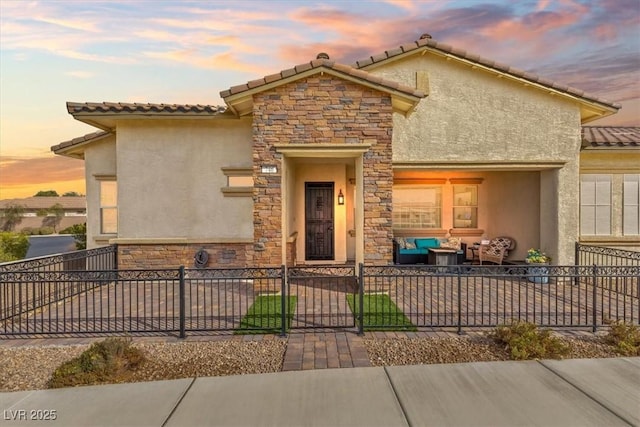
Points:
(242, 102)
(590, 112)
(76, 150)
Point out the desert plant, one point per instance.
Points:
(523, 341)
(624, 337)
(110, 361)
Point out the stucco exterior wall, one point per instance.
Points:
(511, 203)
(99, 160)
(170, 179)
(471, 115)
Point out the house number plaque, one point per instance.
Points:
(269, 169)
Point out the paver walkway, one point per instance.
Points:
(324, 350)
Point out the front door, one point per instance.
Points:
(319, 220)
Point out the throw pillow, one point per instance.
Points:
(402, 242)
(452, 243)
(410, 245)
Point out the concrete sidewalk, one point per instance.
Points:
(582, 392)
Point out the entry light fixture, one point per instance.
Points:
(340, 197)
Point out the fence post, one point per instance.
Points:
(361, 299)
(576, 263)
(459, 301)
(595, 294)
(283, 300)
(182, 302)
(115, 256)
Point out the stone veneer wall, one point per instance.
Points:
(139, 256)
(322, 110)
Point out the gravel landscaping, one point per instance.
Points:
(387, 352)
(29, 367)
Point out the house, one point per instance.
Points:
(327, 163)
(610, 187)
(74, 208)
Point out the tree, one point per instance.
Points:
(13, 246)
(47, 193)
(53, 216)
(12, 216)
(72, 194)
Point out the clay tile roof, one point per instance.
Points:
(610, 136)
(322, 63)
(447, 49)
(80, 140)
(122, 107)
(34, 203)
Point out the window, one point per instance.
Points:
(465, 206)
(417, 207)
(631, 205)
(108, 207)
(595, 205)
(239, 182)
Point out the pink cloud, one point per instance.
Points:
(39, 170)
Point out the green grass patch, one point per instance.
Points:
(265, 315)
(380, 313)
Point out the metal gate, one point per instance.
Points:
(325, 296)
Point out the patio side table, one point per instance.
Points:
(439, 256)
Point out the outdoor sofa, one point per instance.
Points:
(415, 250)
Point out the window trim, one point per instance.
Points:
(625, 204)
(101, 179)
(237, 191)
(454, 206)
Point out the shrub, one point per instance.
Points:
(524, 341)
(45, 231)
(624, 337)
(13, 246)
(79, 232)
(110, 361)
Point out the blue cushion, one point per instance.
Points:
(431, 242)
(416, 251)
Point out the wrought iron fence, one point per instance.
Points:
(45, 280)
(600, 255)
(104, 258)
(254, 300)
(487, 296)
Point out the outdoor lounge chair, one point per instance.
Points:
(497, 250)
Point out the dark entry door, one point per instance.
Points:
(319, 220)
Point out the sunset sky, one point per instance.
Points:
(187, 52)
